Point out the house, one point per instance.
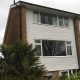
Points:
(55, 34)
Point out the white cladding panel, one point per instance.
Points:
(49, 32)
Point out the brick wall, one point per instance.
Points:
(77, 37)
(55, 75)
(16, 25)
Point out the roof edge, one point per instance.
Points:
(22, 2)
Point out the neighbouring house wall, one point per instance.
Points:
(48, 32)
(79, 44)
(77, 36)
(16, 25)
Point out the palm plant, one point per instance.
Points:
(20, 61)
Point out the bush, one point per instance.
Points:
(75, 76)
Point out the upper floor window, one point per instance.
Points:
(52, 48)
(46, 19)
(54, 20)
(66, 21)
(36, 17)
(50, 19)
(60, 21)
(63, 21)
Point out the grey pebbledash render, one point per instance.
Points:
(55, 34)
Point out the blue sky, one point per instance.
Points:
(67, 5)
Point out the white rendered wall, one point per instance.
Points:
(49, 32)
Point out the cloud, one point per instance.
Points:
(67, 5)
(1, 35)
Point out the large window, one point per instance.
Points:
(53, 48)
(50, 19)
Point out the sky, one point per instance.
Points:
(66, 5)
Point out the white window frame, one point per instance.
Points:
(67, 46)
(52, 56)
(52, 24)
(40, 45)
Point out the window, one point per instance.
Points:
(66, 22)
(43, 18)
(47, 78)
(53, 48)
(44, 77)
(60, 21)
(65, 73)
(46, 19)
(70, 72)
(37, 41)
(54, 20)
(36, 17)
(38, 50)
(74, 71)
(69, 50)
(50, 19)
(38, 47)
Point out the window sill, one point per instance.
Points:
(53, 25)
(55, 56)
(45, 24)
(64, 27)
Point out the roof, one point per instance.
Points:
(47, 9)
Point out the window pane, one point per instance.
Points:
(46, 19)
(49, 78)
(53, 48)
(36, 17)
(37, 41)
(54, 20)
(47, 48)
(42, 18)
(60, 21)
(66, 22)
(65, 73)
(68, 42)
(70, 72)
(50, 20)
(69, 50)
(38, 50)
(44, 78)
